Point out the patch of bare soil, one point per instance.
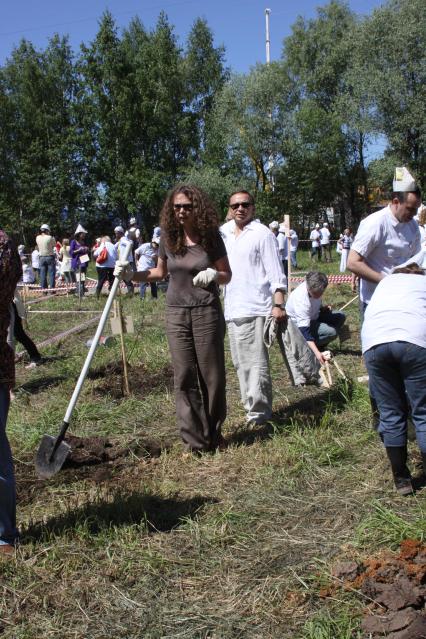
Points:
(106, 456)
(396, 587)
(142, 381)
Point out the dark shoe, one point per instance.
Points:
(397, 456)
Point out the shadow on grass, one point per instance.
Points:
(40, 384)
(349, 351)
(308, 412)
(155, 513)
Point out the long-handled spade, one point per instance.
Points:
(53, 451)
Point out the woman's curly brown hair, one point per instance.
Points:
(205, 217)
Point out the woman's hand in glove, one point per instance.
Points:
(204, 278)
(123, 271)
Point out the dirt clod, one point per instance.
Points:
(395, 586)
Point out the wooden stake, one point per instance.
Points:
(118, 313)
(347, 303)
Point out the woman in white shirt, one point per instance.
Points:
(393, 339)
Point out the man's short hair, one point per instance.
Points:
(316, 281)
(402, 196)
(245, 193)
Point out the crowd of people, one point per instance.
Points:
(68, 260)
(247, 259)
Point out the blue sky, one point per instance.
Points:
(237, 24)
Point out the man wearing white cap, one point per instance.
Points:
(147, 255)
(387, 238)
(315, 238)
(46, 248)
(325, 242)
(274, 226)
(133, 233)
(120, 246)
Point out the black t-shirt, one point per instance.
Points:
(182, 270)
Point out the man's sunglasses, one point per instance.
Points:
(237, 205)
(185, 207)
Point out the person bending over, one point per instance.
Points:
(318, 324)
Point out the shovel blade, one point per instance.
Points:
(47, 464)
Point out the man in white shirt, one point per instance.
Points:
(387, 238)
(147, 255)
(255, 292)
(283, 247)
(119, 247)
(318, 324)
(315, 238)
(325, 242)
(294, 243)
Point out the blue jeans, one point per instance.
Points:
(8, 532)
(326, 327)
(47, 268)
(154, 290)
(293, 257)
(397, 380)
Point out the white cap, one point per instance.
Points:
(317, 225)
(403, 181)
(98, 239)
(156, 239)
(21, 247)
(45, 227)
(132, 220)
(119, 229)
(325, 224)
(80, 229)
(273, 225)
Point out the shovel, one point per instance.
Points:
(53, 451)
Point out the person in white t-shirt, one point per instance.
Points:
(325, 242)
(35, 262)
(120, 245)
(283, 247)
(315, 238)
(387, 238)
(28, 276)
(318, 324)
(393, 339)
(256, 291)
(294, 243)
(146, 256)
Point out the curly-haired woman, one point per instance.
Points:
(193, 253)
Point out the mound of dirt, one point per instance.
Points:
(396, 587)
(86, 451)
(142, 381)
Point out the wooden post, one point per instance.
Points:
(287, 234)
(119, 315)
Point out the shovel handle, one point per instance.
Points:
(95, 341)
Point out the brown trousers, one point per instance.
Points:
(196, 336)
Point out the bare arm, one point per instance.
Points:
(358, 266)
(153, 274)
(278, 298)
(224, 273)
(316, 352)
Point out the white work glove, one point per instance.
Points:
(204, 278)
(123, 271)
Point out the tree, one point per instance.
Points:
(204, 76)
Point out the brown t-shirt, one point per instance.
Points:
(183, 268)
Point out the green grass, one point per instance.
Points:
(230, 545)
